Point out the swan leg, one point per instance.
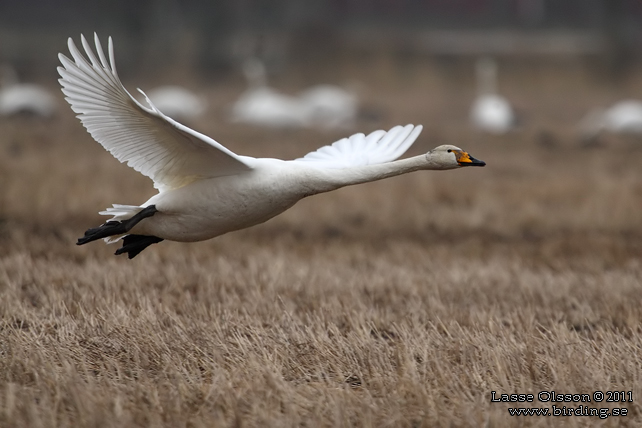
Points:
(134, 244)
(112, 228)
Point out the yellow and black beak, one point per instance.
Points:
(464, 159)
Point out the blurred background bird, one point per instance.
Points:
(24, 98)
(178, 102)
(490, 111)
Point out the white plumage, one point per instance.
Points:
(205, 190)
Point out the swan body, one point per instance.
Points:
(178, 102)
(490, 111)
(206, 190)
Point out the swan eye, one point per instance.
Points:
(449, 151)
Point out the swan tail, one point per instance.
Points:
(121, 212)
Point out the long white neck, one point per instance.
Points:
(325, 180)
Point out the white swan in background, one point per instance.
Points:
(28, 98)
(330, 106)
(205, 190)
(624, 117)
(264, 106)
(490, 111)
(323, 106)
(178, 102)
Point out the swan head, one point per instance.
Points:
(451, 157)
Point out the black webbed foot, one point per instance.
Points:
(134, 244)
(108, 229)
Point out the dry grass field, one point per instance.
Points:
(404, 302)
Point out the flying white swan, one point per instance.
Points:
(205, 190)
(490, 111)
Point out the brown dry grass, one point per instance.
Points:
(398, 303)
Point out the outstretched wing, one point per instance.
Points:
(157, 146)
(359, 149)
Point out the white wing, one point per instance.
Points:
(157, 146)
(359, 149)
